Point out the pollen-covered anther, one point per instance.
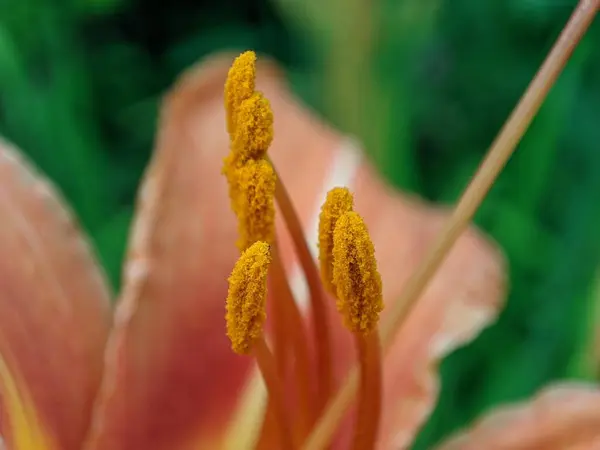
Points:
(255, 207)
(239, 86)
(254, 128)
(247, 297)
(339, 201)
(355, 275)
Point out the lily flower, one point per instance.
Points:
(158, 372)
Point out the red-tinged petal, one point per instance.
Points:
(54, 314)
(172, 380)
(562, 417)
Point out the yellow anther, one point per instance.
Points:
(247, 297)
(254, 128)
(339, 201)
(355, 275)
(255, 202)
(239, 86)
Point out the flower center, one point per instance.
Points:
(348, 272)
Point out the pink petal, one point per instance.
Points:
(563, 417)
(173, 380)
(54, 309)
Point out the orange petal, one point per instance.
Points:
(562, 417)
(54, 314)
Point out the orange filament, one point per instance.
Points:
(281, 345)
(290, 343)
(499, 153)
(370, 391)
(278, 410)
(321, 329)
(295, 334)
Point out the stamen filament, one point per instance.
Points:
(499, 153)
(294, 328)
(268, 368)
(321, 329)
(281, 354)
(370, 391)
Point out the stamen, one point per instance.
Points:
(239, 86)
(255, 204)
(246, 297)
(250, 125)
(339, 201)
(321, 329)
(359, 299)
(245, 319)
(355, 275)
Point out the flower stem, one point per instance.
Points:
(497, 156)
(319, 312)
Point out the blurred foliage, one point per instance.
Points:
(426, 84)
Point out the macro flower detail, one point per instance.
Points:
(156, 371)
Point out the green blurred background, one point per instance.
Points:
(80, 82)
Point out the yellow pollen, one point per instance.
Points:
(339, 201)
(255, 203)
(247, 297)
(239, 86)
(254, 129)
(355, 275)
